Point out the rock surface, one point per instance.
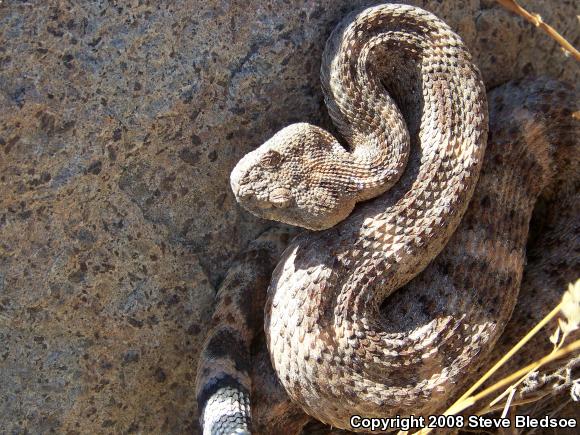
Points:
(119, 126)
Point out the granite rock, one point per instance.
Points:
(120, 123)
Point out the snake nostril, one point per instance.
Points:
(243, 194)
(236, 184)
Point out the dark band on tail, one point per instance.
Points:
(223, 372)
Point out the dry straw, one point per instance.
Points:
(569, 308)
(537, 21)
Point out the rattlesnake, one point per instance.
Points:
(404, 94)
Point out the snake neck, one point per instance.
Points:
(404, 51)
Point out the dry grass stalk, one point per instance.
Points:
(537, 21)
(570, 308)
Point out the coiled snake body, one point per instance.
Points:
(403, 92)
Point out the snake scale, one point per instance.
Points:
(387, 306)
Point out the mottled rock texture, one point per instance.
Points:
(119, 124)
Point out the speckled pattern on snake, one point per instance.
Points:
(387, 307)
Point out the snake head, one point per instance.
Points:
(292, 178)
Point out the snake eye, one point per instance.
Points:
(271, 159)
